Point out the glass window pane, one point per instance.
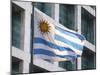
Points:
(15, 67)
(67, 16)
(88, 59)
(68, 65)
(88, 27)
(44, 7)
(16, 26)
(16, 29)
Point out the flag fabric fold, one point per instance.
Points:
(53, 41)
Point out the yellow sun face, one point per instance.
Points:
(44, 26)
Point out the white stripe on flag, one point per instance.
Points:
(49, 58)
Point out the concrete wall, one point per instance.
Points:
(24, 53)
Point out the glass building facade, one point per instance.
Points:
(66, 15)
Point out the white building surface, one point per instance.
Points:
(80, 18)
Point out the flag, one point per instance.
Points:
(53, 41)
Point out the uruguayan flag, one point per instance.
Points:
(53, 41)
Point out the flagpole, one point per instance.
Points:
(31, 41)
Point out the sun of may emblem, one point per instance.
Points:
(44, 26)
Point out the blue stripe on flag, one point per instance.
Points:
(75, 35)
(78, 55)
(74, 45)
(49, 53)
(42, 41)
(42, 51)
